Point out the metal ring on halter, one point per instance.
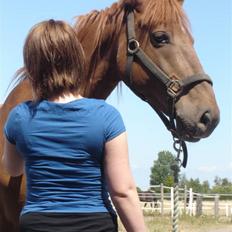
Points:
(174, 88)
(177, 145)
(133, 46)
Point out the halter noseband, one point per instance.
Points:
(174, 87)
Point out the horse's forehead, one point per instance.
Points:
(180, 27)
(168, 13)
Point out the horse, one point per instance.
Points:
(147, 44)
(149, 199)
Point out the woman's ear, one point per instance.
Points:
(136, 5)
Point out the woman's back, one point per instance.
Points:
(63, 147)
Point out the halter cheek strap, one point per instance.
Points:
(174, 86)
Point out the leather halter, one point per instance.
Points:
(174, 87)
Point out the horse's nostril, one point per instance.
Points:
(206, 118)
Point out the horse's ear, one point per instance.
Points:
(181, 2)
(136, 5)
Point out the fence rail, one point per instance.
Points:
(194, 204)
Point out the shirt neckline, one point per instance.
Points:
(64, 103)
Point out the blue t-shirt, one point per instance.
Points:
(63, 148)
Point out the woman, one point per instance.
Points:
(73, 149)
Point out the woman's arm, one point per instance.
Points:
(121, 185)
(12, 160)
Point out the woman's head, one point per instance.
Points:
(54, 59)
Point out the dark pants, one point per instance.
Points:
(68, 222)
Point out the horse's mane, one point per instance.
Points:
(153, 14)
(100, 19)
(164, 12)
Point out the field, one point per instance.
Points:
(157, 223)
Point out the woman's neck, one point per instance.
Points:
(66, 98)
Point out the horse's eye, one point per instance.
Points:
(159, 38)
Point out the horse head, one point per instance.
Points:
(162, 67)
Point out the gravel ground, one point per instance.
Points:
(225, 229)
(209, 229)
(157, 223)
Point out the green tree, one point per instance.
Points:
(195, 184)
(161, 171)
(222, 185)
(217, 181)
(226, 182)
(183, 180)
(205, 187)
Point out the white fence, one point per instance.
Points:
(162, 200)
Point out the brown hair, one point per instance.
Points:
(53, 59)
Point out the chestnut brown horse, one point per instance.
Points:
(147, 45)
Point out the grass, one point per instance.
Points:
(157, 223)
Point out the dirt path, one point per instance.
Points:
(222, 228)
(188, 224)
(225, 229)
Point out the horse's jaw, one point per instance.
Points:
(196, 115)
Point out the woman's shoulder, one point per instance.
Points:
(19, 112)
(101, 104)
(21, 107)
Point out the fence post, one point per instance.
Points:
(190, 206)
(216, 206)
(185, 199)
(172, 201)
(162, 199)
(228, 210)
(199, 205)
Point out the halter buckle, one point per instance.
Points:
(133, 46)
(174, 88)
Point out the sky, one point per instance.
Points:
(211, 25)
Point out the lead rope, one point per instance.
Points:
(175, 167)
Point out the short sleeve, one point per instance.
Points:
(114, 124)
(10, 128)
